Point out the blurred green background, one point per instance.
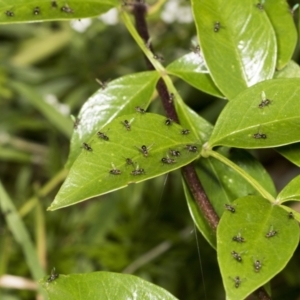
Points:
(144, 229)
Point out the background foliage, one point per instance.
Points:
(144, 229)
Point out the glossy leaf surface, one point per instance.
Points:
(237, 41)
(104, 286)
(223, 184)
(291, 152)
(17, 11)
(286, 34)
(191, 120)
(269, 236)
(248, 122)
(192, 69)
(291, 191)
(291, 70)
(291, 213)
(120, 97)
(102, 166)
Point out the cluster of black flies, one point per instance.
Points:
(36, 11)
(262, 104)
(257, 264)
(144, 150)
(265, 102)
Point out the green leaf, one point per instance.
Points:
(49, 43)
(192, 69)
(242, 50)
(223, 185)
(290, 192)
(291, 152)
(260, 117)
(46, 10)
(195, 123)
(120, 97)
(103, 168)
(58, 120)
(10, 154)
(262, 257)
(286, 34)
(104, 286)
(291, 70)
(20, 233)
(291, 212)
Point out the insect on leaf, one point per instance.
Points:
(103, 165)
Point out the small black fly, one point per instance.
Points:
(86, 147)
(217, 26)
(145, 150)
(236, 256)
(140, 110)
(174, 152)
(229, 208)
(271, 233)
(36, 11)
(53, 4)
(115, 172)
(129, 162)
(171, 98)
(67, 9)
(169, 122)
(137, 172)
(9, 13)
(103, 136)
(185, 131)
(259, 135)
(168, 161)
(238, 238)
(127, 124)
(191, 148)
(264, 103)
(257, 265)
(52, 276)
(237, 281)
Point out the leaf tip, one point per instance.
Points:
(50, 208)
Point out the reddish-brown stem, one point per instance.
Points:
(200, 196)
(189, 172)
(261, 294)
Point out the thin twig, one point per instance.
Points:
(200, 196)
